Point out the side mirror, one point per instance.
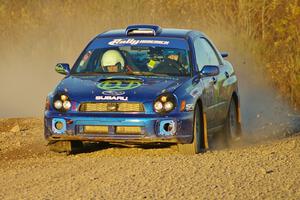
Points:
(210, 70)
(62, 68)
(224, 54)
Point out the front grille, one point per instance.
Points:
(111, 107)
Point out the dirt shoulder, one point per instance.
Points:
(29, 171)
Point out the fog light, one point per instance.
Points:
(59, 125)
(167, 128)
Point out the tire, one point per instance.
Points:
(199, 135)
(65, 146)
(233, 131)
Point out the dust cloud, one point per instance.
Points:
(28, 57)
(264, 111)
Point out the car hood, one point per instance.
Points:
(118, 88)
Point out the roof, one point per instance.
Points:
(163, 32)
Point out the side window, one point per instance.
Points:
(212, 57)
(202, 56)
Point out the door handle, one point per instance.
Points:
(214, 79)
(227, 74)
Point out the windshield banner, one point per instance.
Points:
(146, 42)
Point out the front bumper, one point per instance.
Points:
(151, 126)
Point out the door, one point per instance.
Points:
(208, 83)
(220, 89)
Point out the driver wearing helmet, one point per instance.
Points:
(173, 57)
(170, 65)
(112, 61)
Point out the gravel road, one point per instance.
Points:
(269, 169)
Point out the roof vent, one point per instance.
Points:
(145, 29)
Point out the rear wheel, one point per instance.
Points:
(65, 146)
(199, 135)
(233, 125)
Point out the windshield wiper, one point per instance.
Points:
(96, 73)
(138, 73)
(86, 73)
(144, 73)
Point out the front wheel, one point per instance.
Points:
(199, 143)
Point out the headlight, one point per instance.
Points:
(67, 105)
(158, 106)
(62, 102)
(58, 104)
(168, 106)
(164, 103)
(64, 97)
(163, 99)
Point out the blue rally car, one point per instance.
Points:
(145, 84)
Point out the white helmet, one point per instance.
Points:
(112, 58)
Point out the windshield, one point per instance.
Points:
(134, 57)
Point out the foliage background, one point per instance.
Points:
(35, 35)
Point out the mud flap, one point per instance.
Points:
(205, 136)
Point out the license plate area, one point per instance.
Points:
(95, 129)
(110, 130)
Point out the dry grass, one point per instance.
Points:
(35, 32)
